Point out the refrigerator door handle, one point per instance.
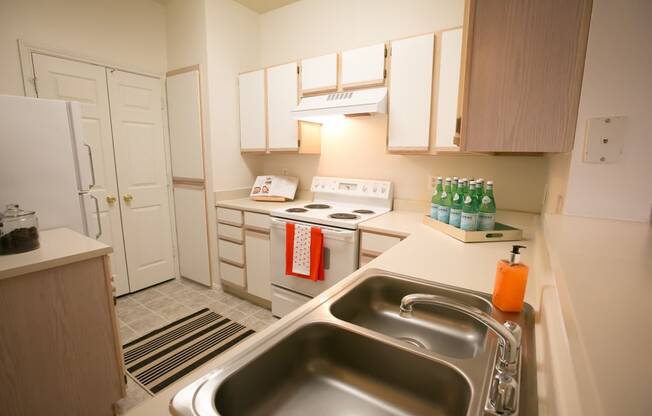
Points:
(97, 216)
(90, 158)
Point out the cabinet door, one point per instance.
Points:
(282, 98)
(184, 121)
(252, 112)
(137, 122)
(364, 66)
(529, 101)
(319, 74)
(192, 233)
(259, 279)
(63, 79)
(410, 89)
(448, 87)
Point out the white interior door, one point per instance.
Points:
(136, 114)
(63, 79)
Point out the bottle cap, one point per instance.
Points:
(515, 254)
(490, 182)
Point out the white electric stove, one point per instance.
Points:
(338, 206)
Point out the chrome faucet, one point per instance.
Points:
(503, 391)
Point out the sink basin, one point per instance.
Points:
(325, 369)
(374, 304)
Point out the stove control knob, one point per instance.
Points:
(364, 188)
(375, 188)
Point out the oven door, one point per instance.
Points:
(340, 258)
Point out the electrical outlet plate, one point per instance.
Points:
(605, 138)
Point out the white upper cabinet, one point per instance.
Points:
(363, 66)
(252, 111)
(450, 61)
(282, 98)
(319, 74)
(410, 93)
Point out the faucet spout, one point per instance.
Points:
(509, 333)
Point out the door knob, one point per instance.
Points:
(127, 197)
(110, 199)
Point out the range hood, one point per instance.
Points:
(321, 108)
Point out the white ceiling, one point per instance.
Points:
(263, 6)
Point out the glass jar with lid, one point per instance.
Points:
(18, 230)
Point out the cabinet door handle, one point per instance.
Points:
(128, 197)
(111, 199)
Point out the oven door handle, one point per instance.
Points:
(278, 223)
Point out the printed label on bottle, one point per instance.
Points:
(469, 221)
(486, 200)
(443, 214)
(456, 197)
(434, 211)
(467, 200)
(455, 217)
(486, 221)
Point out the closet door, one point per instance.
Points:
(64, 79)
(136, 115)
(282, 98)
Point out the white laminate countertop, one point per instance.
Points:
(603, 272)
(427, 254)
(401, 223)
(248, 204)
(59, 246)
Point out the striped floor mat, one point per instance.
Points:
(163, 356)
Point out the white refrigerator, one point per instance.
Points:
(45, 164)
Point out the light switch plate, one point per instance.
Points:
(605, 139)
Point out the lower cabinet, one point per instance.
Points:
(374, 244)
(259, 277)
(244, 251)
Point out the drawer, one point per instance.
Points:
(232, 274)
(231, 252)
(229, 216)
(284, 301)
(377, 243)
(256, 220)
(230, 232)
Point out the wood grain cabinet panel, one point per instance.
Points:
(524, 61)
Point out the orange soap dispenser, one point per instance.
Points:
(511, 279)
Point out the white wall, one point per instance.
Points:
(357, 148)
(232, 47)
(127, 33)
(617, 81)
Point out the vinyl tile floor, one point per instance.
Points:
(148, 309)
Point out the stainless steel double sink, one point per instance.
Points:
(353, 354)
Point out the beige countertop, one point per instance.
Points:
(58, 247)
(401, 223)
(603, 272)
(426, 253)
(247, 204)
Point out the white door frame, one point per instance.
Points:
(25, 51)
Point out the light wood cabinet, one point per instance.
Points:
(410, 93)
(282, 98)
(253, 129)
(257, 249)
(523, 66)
(60, 351)
(319, 74)
(364, 67)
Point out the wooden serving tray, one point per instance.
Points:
(502, 232)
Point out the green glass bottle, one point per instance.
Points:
(464, 185)
(454, 185)
(445, 202)
(436, 195)
(479, 187)
(469, 218)
(456, 206)
(487, 214)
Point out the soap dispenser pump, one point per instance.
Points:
(511, 280)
